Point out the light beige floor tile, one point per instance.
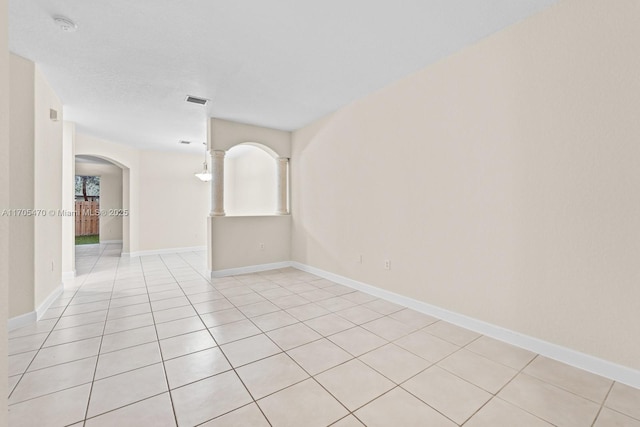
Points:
(316, 295)
(77, 333)
(358, 297)
(246, 299)
(582, 383)
(120, 390)
(55, 378)
(63, 353)
(272, 291)
(13, 380)
(388, 328)
(451, 333)
(624, 399)
(250, 349)
(222, 317)
(173, 291)
(155, 411)
(348, 421)
(339, 290)
(213, 306)
(275, 320)
(359, 314)
(500, 413)
(336, 303)
(329, 324)
(383, 306)
(549, 402)
(478, 370)
(290, 301)
(170, 303)
(18, 363)
(270, 375)
(120, 340)
(610, 418)
(357, 341)
(195, 366)
(129, 300)
(259, 308)
(129, 310)
(304, 404)
(427, 346)
(498, 351)
(185, 344)
(86, 308)
(234, 331)
(81, 319)
(209, 398)
(307, 311)
(209, 295)
(319, 356)
(57, 409)
(353, 383)
(126, 323)
(179, 327)
(246, 416)
(173, 314)
(292, 336)
(127, 359)
(394, 362)
(448, 394)
(399, 408)
(41, 326)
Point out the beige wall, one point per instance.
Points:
(173, 203)
(110, 197)
(4, 202)
(249, 241)
(235, 242)
(48, 190)
(501, 182)
(250, 181)
(68, 198)
(21, 190)
(167, 204)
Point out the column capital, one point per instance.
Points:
(217, 153)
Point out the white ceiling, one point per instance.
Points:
(125, 73)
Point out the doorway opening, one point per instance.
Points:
(87, 208)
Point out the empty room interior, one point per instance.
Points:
(337, 213)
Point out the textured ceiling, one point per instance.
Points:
(125, 73)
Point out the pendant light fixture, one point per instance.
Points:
(205, 175)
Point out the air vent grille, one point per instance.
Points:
(196, 100)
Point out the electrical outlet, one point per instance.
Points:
(387, 264)
(261, 245)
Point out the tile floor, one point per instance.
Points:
(151, 341)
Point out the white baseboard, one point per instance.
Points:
(566, 355)
(32, 316)
(68, 275)
(42, 309)
(22, 320)
(106, 242)
(249, 269)
(164, 251)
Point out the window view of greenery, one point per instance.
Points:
(87, 190)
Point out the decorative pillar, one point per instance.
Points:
(283, 189)
(217, 182)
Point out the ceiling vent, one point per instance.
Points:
(185, 142)
(196, 100)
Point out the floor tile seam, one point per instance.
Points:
(95, 368)
(618, 411)
(124, 406)
(164, 367)
(51, 331)
(49, 393)
(561, 387)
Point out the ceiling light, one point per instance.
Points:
(65, 24)
(196, 100)
(205, 175)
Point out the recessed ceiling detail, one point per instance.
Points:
(279, 64)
